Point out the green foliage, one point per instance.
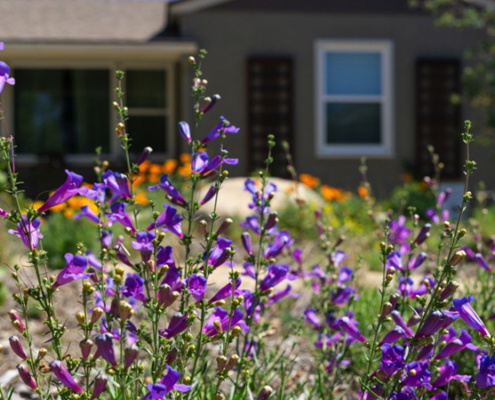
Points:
(411, 194)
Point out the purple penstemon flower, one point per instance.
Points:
(224, 127)
(220, 253)
(311, 317)
(469, 316)
(486, 376)
(478, 258)
(104, 343)
(345, 275)
(86, 212)
(226, 291)
(443, 197)
(246, 242)
(421, 378)
(342, 295)
(100, 386)
(96, 193)
(157, 391)
(277, 296)
(74, 270)
(222, 316)
(432, 216)
(276, 274)
(252, 223)
(169, 220)
(5, 75)
(28, 232)
(118, 184)
(273, 249)
(433, 323)
(423, 234)
(197, 286)
(144, 244)
(134, 287)
(392, 359)
(417, 261)
(172, 278)
(16, 346)
(249, 270)
(184, 130)
(26, 377)
(348, 326)
(209, 194)
(64, 376)
(174, 196)
(399, 232)
(392, 336)
(164, 256)
(69, 189)
(203, 166)
(448, 372)
(397, 317)
(177, 325)
(457, 344)
(118, 214)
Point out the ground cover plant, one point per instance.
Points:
(173, 306)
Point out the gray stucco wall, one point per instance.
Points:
(232, 36)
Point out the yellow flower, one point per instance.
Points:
(78, 201)
(169, 166)
(37, 204)
(185, 158)
(59, 207)
(68, 213)
(141, 198)
(309, 180)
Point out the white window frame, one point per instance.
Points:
(386, 147)
(114, 142)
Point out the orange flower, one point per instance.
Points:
(407, 177)
(37, 204)
(68, 213)
(185, 158)
(139, 178)
(59, 207)
(78, 201)
(329, 193)
(185, 170)
(153, 178)
(141, 198)
(169, 166)
(309, 180)
(144, 166)
(363, 192)
(155, 169)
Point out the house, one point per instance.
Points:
(337, 79)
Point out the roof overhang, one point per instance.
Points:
(191, 6)
(160, 50)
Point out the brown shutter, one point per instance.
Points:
(438, 120)
(269, 90)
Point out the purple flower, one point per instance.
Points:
(392, 359)
(134, 287)
(252, 223)
(469, 316)
(310, 316)
(397, 317)
(226, 291)
(249, 270)
(434, 322)
(275, 248)
(220, 253)
(87, 213)
(342, 295)
(222, 316)
(64, 376)
(443, 196)
(448, 373)
(16, 346)
(421, 378)
(209, 194)
(457, 344)
(96, 193)
(197, 286)
(486, 377)
(391, 337)
(423, 234)
(399, 232)
(432, 216)
(345, 275)
(169, 220)
(144, 244)
(338, 257)
(224, 127)
(172, 278)
(482, 262)
(168, 383)
(276, 274)
(144, 155)
(184, 130)
(119, 215)
(118, 184)
(164, 257)
(275, 298)
(177, 325)
(348, 326)
(73, 271)
(104, 343)
(69, 189)
(100, 386)
(28, 232)
(416, 262)
(26, 377)
(5, 75)
(246, 242)
(174, 195)
(202, 166)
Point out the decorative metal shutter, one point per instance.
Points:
(438, 120)
(269, 110)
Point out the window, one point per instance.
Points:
(354, 98)
(67, 111)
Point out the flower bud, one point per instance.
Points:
(393, 299)
(150, 265)
(221, 362)
(457, 258)
(119, 271)
(131, 354)
(16, 346)
(265, 393)
(171, 356)
(192, 60)
(80, 318)
(96, 314)
(224, 226)
(387, 309)
(203, 227)
(271, 221)
(210, 104)
(144, 155)
(415, 318)
(391, 271)
(100, 386)
(86, 346)
(234, 358)
(18, 326)
(42, 353)
(120, 129)
(125, 310)
(218, 326)
(26, 376)
(236, 331)
(15, 317)
(219, 396)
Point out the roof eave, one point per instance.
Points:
(191, 6)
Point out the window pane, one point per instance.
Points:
(353, 73)
(61, 111)
(148, 131)
(146, 88)
(353, 123)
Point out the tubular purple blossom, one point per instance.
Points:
(26, 377)
(100, 386)
(5, 75)
(167, 187)
(131, 354)
(184, 130)
(169, 221)
(246, 242)
(423, 234)
(73, 271)
(209, 194)
(28, 232)
(104, 343)
(197, 286)
(347, 326)
(469, 316)
(69, 189)
(177, 325)
(16, 346)
(64, 376)
(14, 316)
(144, 155)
